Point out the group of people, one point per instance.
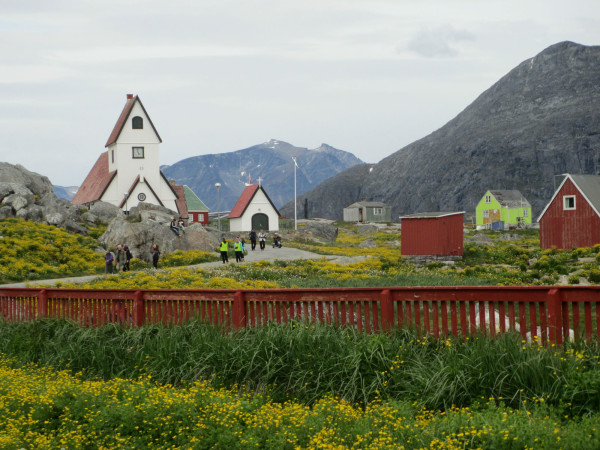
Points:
(239, 245)
(177, 226)
(117, 261)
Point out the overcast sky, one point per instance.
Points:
(368, 77)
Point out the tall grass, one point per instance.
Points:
(306, 362)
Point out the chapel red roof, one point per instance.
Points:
(131, 101)
(96, 182)
(247, 195)
(180, 202)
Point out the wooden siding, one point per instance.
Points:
(433, 235)
(560, 228)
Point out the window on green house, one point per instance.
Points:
(488, 199)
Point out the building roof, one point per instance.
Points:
(96, 183)
(430, 215)
(510, 198)
(367, 205)
(587, 185)
(192, 200)
(131, 101)
(247, 195)
(181, 201)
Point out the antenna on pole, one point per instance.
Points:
(295, 206)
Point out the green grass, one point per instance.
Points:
(307, 362)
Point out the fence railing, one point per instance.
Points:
(548, 314)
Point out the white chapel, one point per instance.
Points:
(129, 173)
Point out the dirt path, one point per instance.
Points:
(268, 254)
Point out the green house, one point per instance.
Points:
(502, 210)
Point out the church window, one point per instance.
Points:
(137, 123)
(141, 196)
(112, 156)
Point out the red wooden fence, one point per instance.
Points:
(550, 314)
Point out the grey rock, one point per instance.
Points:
(541, 119)
(54, 218)
(34, 213)
(480, 239)
(509, 237)
(319, 229)
(89, 217)
(6, 212)
(74, 227)
(140, 236)
(18, 174)
(369, 243)
(156, 216)
(367, 228)
(15, 201)
(105, 211)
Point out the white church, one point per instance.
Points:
(129, 172)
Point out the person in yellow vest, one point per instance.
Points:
(239, 252)
(223, 250)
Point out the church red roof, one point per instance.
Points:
(131, 100)
(180, 202)
(96, 182)
(247, 195)
(243, 201)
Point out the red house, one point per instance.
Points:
(432, 234)
(572, 218)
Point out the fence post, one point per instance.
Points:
(387, 310)
(42, 304)
(239, 310)
(139, 309)
(554, 317)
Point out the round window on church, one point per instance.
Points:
(141, 196)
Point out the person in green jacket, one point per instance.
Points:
(223, 250)
(239, 252)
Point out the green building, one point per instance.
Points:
(502, 210)
(364, 211)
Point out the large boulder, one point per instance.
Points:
(18, 174)
(105, 212)
(319, 228)
(140, 236)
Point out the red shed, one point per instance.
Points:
(571, 218)
(435, 234)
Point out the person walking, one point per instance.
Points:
(120, 258)
(155, 255)
(128, 258)
(108, 262)
(261, 239)
(243, 241)
(253, 239)
(223, 249)
(237, 247)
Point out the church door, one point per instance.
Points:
(260, 221)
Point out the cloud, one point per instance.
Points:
(439, 42)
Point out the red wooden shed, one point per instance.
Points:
(571, 218)
(435, 234)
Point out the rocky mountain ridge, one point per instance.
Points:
(540, 120)
(271, 161)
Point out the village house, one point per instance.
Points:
(254, 210)
(197, 210)
(364, 211)
(434, 234)
(503, 209)
(129, 173)
(572, 217)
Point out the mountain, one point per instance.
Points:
(540, 120)
(65, 192)
(271, 161)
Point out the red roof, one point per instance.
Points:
(245, 199)
(131, 100)
(180, 202)
(96, 182)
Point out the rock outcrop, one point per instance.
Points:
(140, 236)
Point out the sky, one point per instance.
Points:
(368, 77)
